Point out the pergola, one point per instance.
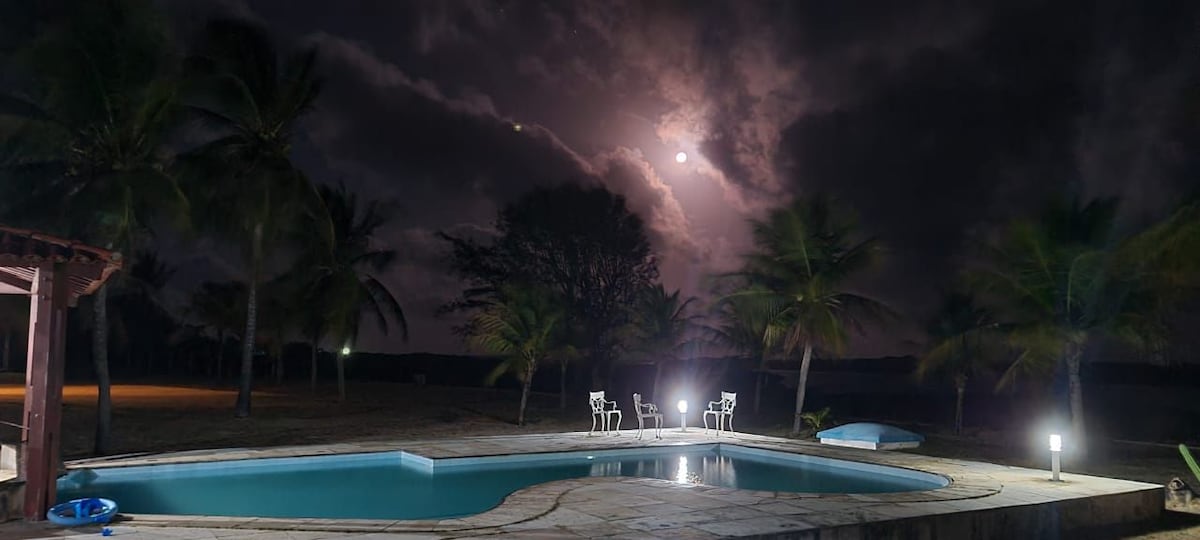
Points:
(53, 273)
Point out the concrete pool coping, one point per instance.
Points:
(1015, 500)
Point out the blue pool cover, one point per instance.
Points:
(870, 432)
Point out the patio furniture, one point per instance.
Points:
(722, 412)
(601, 409)
(871, 436)
(651, 412)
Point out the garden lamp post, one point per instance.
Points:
(1055, 453)
(682, 406)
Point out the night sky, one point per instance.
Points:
(930, 119)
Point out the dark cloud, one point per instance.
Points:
(928, 117)
(1041, 99)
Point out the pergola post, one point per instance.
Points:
(43, 387)
(54, 273)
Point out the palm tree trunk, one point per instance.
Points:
(562, 386)
(103, 442)
(312, 366)
(801, 386)
(1075, 390)
(242, 409)
(525, 385)
(341, 369)
(960, 387)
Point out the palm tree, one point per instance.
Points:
(1059, 279)
(662, 329)
(804, 254)
(959, 333)
(338, 274)
(749, 323)
(87, 154)
(251, 102)
(142, 319)
(522, 324)
(219, 306)
(1166, 258)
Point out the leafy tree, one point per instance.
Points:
(339, 275)
(83, 145)
(250, 102)
(1058, 279)
(663, 329)
(960, 334)
(804, 255)
(522, 324)
(220, 306)
(581, 242)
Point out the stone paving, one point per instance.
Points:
(979, 496)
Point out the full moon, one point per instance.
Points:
(681, 157)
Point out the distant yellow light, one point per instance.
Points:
(345, 351)
(518, 127)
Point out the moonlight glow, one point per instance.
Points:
(681, 157)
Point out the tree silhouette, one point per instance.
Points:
(243, 178)
(522, 324)
(338, 276)
(960, 333)
(804, 254)
(87, 154)
(663, 330)
(581, 242)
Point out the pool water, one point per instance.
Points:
(397, 485)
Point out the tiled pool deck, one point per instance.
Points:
(982, 500)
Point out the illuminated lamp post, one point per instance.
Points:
(1055, 453)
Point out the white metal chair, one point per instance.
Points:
(600, 409)
(722, 412)
(651, 412)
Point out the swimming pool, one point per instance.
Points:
(400, 485)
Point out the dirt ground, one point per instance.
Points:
(164, 417)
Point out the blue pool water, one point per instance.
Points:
(398, 485)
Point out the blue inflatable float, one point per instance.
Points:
(870, 435)
(78, 512)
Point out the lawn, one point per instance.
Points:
(162, 417)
